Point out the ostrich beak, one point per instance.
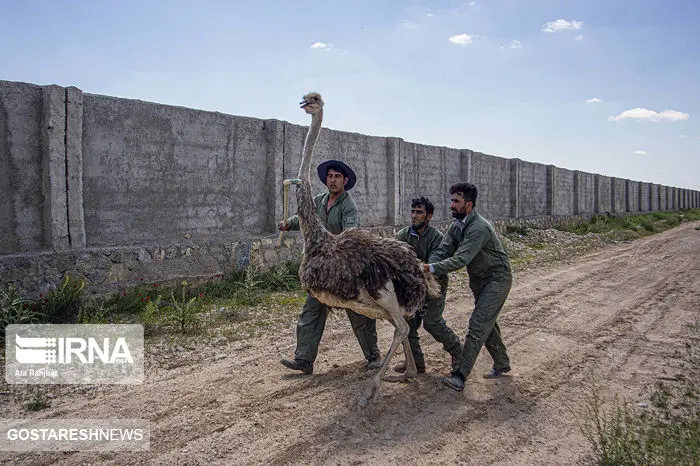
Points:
(304, 103)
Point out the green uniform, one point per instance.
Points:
(473, 243)
(431, 317)
(341, 216)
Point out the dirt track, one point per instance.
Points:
(618, 318)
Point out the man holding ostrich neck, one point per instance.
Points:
(337, 212)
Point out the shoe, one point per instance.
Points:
(374, 363)
(454, 381)
(496, 373)
(401, 367)
(298, 365)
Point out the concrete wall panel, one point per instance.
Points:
(21, 183)
(563, 202)
(586, 193)
(159, 173)
(604, 198)
(533, 189)
(492, 177)
(632, 196)
(619, 190)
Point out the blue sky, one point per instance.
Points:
(607, 87)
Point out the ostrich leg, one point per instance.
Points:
(388, 302)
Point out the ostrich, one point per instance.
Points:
(378, 277)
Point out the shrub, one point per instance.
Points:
(15, 309)
(62, 304)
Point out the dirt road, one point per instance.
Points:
(618, 318)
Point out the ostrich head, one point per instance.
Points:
(312, 102)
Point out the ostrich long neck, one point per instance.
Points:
(309, 223)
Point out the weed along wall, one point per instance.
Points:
(119, 191)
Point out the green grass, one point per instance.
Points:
(642, 224)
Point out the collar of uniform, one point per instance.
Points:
(415, 233)
(338, 200)
(466, 221)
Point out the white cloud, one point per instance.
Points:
(321, 45)
(640, 152)
(472, 3)
(650, 115)
(514, 44)
(561, 25)
(430, 15)
(594, 100)
(461, 39)
(579, 37)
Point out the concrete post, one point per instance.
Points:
(550, 189)
(613, 204)
(465, 165)
(393, 150)
(515, 188)
(74, 166)
(274, 141)
(577, 192)
(627, 196)
(53, 148)
(596, 193)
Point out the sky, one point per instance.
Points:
(602, 86)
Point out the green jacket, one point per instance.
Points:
(342, 215)
(423, 245)
(472, 243)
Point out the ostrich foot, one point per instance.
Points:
(369, 395)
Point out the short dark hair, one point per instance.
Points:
(337, 168)
(425, 202)
(466, 190)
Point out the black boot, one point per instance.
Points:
(298, 365)
(454, 381)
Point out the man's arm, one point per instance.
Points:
(475, 239)
(401, 235)
(292, 223)
(350, 215)
(445, 249)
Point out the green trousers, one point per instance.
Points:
(310, 327)
(435, 325)
(489, 297)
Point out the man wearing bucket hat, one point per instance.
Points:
(337, 211)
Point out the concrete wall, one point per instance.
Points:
(21, 158)
(118, 189)
(533, 189)
(632, 197)
(156, 173)
(654, 202)
(585, 193)
(492, 176)
(604, 192)
(563, 197)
